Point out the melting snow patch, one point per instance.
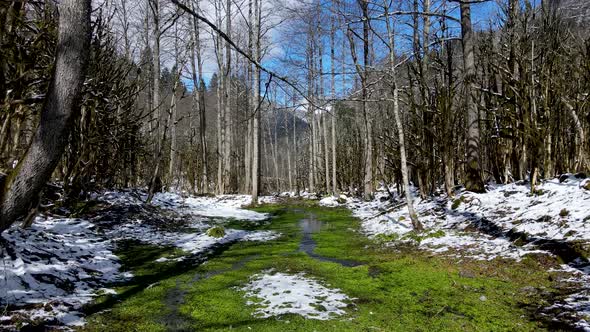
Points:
(447, 229)
(224, 206)
(558, 211)
(280, 293)
(477, 226)
(576, 306)
(193, 243)
(333, 201)
(61, 262)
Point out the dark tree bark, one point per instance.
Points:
(23, 185)
(473, 181)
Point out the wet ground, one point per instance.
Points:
(418, 290)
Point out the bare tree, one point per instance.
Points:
(257, 102)
(199, 96)
(473, 177)
(22, 187)
(333, 95)
(400, 128)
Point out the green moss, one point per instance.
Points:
(414, 236)
(457, 202)
(438, 234)
(386, 237)
(216, 231)
(406, 290)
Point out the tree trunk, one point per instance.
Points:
(200, 100)
(311, 111)
(23, 185)
(333, 94)
(287, 138)
(156, 115)
(398, 122)
(473, 179)
(173, 138)
(256, 120)
(582, 158)
(155, 181)
(220, 93)
(249, 107)
(227, 103)
(295, 149)
(368, 181)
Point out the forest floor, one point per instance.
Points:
(205, 264)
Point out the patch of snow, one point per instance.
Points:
(309, 195)
(560, 210)
(193, 243)
(261, 236)
(165, 259)
(61, 261)
(333, 201)
(280, 293)
(223, 206)
(576, 304)
(480, 247)
(329, 201)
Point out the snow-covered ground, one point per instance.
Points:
(53, 268)
(559, 211)
(446, 230)
(578, 302)
(49, 271)
(222, 206)
(278, 293)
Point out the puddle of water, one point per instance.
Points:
(311, 225)
(307, 245)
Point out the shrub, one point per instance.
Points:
(216, 231)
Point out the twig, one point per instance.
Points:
(395, 207)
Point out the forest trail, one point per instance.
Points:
(321, 274)
(294, 165)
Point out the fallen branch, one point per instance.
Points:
(391, 209)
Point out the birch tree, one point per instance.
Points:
(400, 128)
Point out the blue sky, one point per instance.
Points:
(482, 14)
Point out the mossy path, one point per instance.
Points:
(392, 289)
